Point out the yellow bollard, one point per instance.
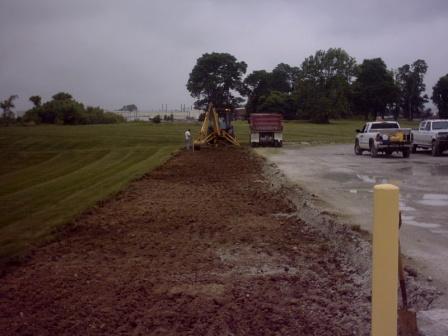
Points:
(385, 260)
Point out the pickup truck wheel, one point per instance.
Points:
(414, 149)
(373, 151)
(406, 152)
(435, 148)
(280, 143)
(358, 150)
(388, 152)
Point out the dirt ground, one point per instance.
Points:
(207, 244)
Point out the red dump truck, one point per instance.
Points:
(266, 129)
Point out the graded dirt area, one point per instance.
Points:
(206, 244)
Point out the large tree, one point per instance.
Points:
(257, 85)
(7, 105)
(60, 96)
(374, 88)
(410, 81)
(280, 102)
(326, 65)
(274, 86)
(323, 86)
(440, 96)
(36, 100)
(217, 78)
(283, 78)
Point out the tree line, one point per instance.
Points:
(62, 110)
(329, 84)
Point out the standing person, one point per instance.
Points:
(187, 139)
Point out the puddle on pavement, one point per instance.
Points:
(439, 170)
(406, 170)
(359, 191)
(376, 179)
(339, 176)
(434, 199)
(423, 225)
(441, 232)
(405, 207)
(342, 170)
(421, 162)
(366, 178)
(346, 175)
(410, 220)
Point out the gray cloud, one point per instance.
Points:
(111, 53)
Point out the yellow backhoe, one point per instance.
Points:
(216, 129)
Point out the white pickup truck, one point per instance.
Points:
(433, 135)
(383, 137)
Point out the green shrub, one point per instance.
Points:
(64, 110)
(156, 119)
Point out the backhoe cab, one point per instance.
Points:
(217, 128)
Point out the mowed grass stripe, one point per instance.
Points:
(48, 170)
(56, 190)
(49, 174)
(15, 161)
(40, 223)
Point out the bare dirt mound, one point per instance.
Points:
(198, 247)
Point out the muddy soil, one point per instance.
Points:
(207, 244)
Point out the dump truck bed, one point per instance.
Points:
(266, 122)
(266, 129)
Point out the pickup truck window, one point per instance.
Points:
(422, 125)
(437, 125)
(428, 126)
(384, 125)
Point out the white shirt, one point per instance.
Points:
(187, 135)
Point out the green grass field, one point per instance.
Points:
(49, 174)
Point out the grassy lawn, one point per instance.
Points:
(49, 174)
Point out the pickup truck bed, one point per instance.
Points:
(383, 137)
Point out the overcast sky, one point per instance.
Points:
(111, 53)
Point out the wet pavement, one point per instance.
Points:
(345, 182)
